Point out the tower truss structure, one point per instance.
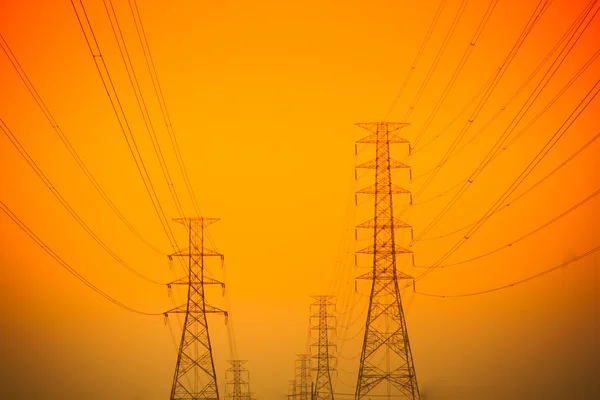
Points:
(303, 378)
(386, 362)
(239, 382)
(195, 377)
(325, 322)
(292, 390)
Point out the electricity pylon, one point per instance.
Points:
(239, 382)
(195, 377)
(386, 356)
(292, 390)
(325, 322)
(303, 379)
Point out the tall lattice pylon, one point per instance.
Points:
(386, 362)
(323, 321)
(303, 378)
(195, 376)
(239, 381)
(292, 390)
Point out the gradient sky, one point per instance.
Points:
(263, 96)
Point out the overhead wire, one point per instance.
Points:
(141, 102)
(107, 82)
(437, 58)
(417, 58)
(583, 104)
(42, 105)
(510, 244)
(505, 106)
(162, 103)
(539, 10)
(66, 265)
(38, 171)
(511, 142)
(513, 124)
(530, 278)
(522, 194)
(461, 64)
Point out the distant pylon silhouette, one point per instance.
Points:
(303, 379)
(195, 377)
(239, 383)
(292, 390)
(386, 356)
(325, 322)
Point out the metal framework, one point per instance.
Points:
(240, 381)
(386, 362)
(303, 379)
(325, 322)
(292, 390)
(195, 376)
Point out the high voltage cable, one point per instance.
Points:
(477, 95)
(517, 182)
(503, 108)
(162, 103)
(530, 278)
(66, 265)
(461, 64)
(139, 96)
(513, 124)
(541, 7)
(122, 119)
(529, 189)
(438, 57)
(42, 105)
(536, 230)
(520, 133)
(484, 87)
(417, 58)
(15, 142)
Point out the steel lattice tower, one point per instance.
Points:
(239, 382)
(195, 376)
(292, 389)
(303, 379)
(325, 323)
(386, 356)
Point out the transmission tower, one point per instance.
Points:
(239, 382)
(303, 379)
(386, 356)
(195, 376)
(292, 390)
(324, 323)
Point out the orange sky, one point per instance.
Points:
(263, 96)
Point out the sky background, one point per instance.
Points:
(263, 97)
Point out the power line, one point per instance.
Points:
(15, 142)
(66, 265)
(519, 134)
(529, 189)
(417, 58)
(513, 124)
(517, 182)
(137, 90)
(482, 24)
(530, 278)
(162, 103)
(438, 57)
(534, 119)
(41, 104)
(536, 230)
(539, 10)
(122, 118)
